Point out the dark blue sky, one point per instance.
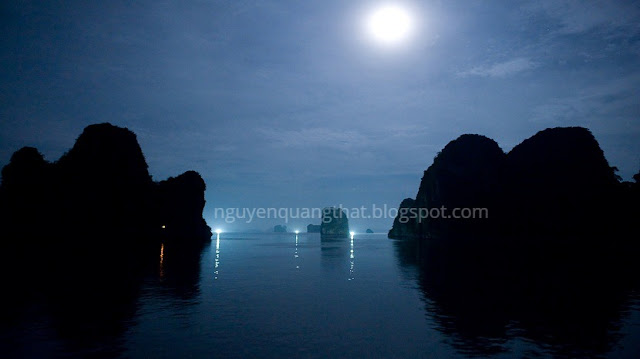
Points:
(287, 103)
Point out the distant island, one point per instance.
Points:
(335, 223)
(369, 230)
(280, 229)
(314, 228)
(556, 182)
(101, 188)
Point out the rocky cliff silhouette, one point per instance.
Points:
(101, 188)
(556, 182)
(280, 229)
(335, 223)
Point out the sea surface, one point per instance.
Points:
(297, 296)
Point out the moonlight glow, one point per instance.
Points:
(389, 24)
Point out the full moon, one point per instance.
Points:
(389, 24)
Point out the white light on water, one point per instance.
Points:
(218, 231)
(297, 232)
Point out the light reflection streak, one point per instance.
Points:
(161, 266)
(351, 260)
(217, 259)
(295, 255)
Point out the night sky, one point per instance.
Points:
(293, 104)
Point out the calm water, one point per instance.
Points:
(275, 295)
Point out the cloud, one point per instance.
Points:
(608, 107)
(575, 17)
(501, 69)
(315, 137)
(610, 110)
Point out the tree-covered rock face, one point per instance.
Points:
(104, 153)
(558, 181)
(335, 223)
(463, 175)
(26, 168)
(101, 187)
(180, 202)
(404, 226)
(24, 186)
(552, 182)
(568, 156)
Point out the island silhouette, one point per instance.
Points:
(335, 223)
(99, 188)
(280, 228)
(557, 182)
(554, 261)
